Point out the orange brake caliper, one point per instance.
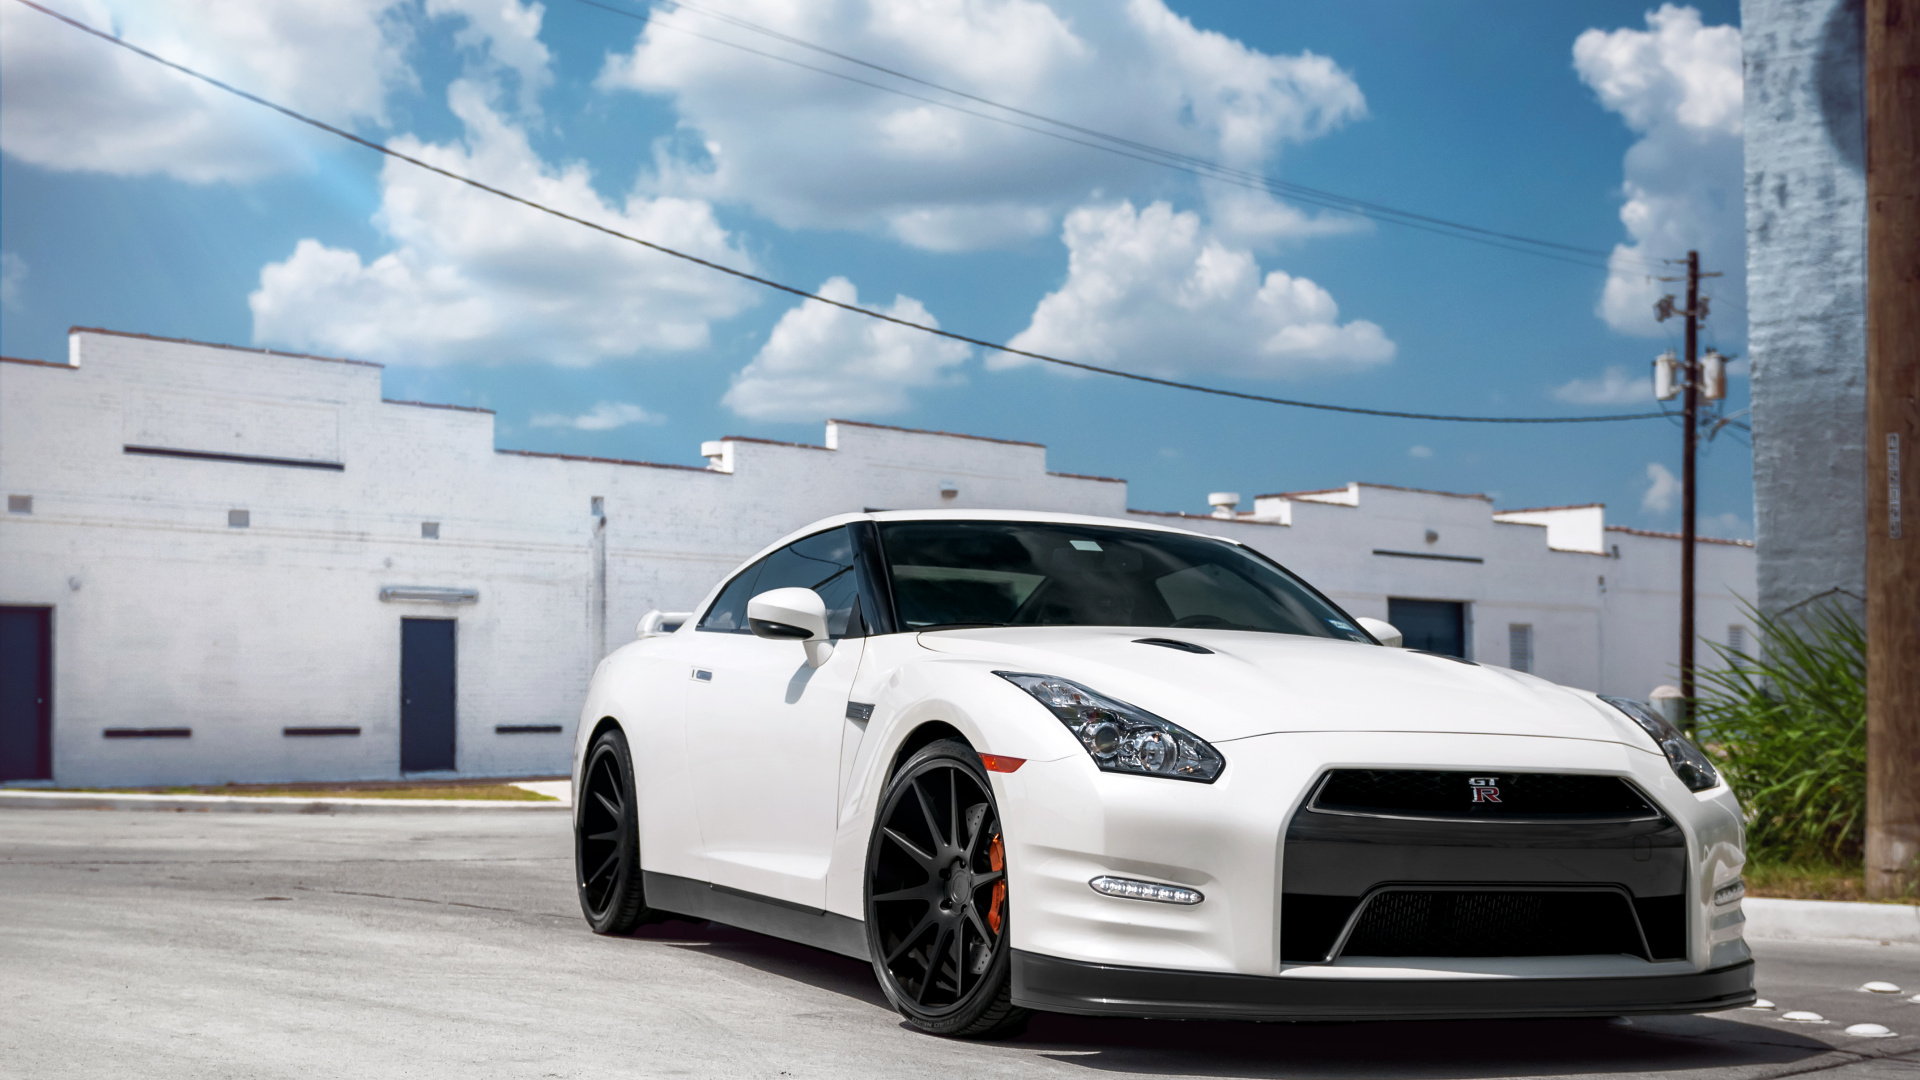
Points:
(997, 860)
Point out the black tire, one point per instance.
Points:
(940, 943)
(606, 840)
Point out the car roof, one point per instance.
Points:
(1046, 517)
(1038, 516)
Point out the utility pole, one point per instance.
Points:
(1689, 474)
(1689, 488)
(1893, 429)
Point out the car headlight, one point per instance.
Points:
(1120, 737)
(1688, 762)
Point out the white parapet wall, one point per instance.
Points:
(228, 541)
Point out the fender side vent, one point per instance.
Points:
(1170, 643)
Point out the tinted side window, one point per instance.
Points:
(729, 611)
(822, 562)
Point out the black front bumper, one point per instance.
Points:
(1070, 986)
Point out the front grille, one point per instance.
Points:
(1486, 793)
(1461, 922)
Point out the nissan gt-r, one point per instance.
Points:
(1025, 761)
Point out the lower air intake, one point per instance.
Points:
(1434, 922)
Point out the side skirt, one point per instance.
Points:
(760, 914)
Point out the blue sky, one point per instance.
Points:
(132, 202)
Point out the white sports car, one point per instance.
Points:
(1029, 761)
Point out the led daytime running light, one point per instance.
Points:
(1727, 894)
(1119, 737)
(1129, 889)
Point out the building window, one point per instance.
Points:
(238, 519)
(1520, 646)
(1737, 642)
(599, 506)
(429, 530)
(19, 504)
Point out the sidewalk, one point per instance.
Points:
(1831, 920)
(30, 799)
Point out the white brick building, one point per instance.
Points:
(222, 545)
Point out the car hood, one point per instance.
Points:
(1258, 683)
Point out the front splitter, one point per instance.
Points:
(1051, 984)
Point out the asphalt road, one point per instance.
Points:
(140, 944)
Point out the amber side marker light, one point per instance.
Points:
(1001, 762)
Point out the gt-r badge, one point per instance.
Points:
(1485, 788)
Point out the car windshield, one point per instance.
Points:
(950, 574)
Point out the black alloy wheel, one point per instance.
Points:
(606, 840)
(937, 912)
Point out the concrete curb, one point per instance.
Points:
(254, 804)
(1830, 920)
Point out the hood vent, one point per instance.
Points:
(1170, 643)
(1445, 656)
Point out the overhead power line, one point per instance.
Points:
(802, 293)
(1122, 146)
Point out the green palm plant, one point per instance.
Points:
(1788, 727)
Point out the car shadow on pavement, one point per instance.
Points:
(801, 963)
(1441, 1050)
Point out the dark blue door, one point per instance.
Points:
(26, 693)
(426, 695)
(1434, 625)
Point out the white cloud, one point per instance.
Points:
(605, 416)
(1726, 527)
(508, 33)
(1421, 452)
(823, 361)
(1678, 84)
(13, 271)
(941, 180)
(1616, 386)
(69, 101)
(1152, 292)
(473, 277)
(1662, 489)
(72, 102)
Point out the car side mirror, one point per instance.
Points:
(792, 615)
(658, 623)
(1384, 631)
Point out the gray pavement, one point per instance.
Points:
(433, 945)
